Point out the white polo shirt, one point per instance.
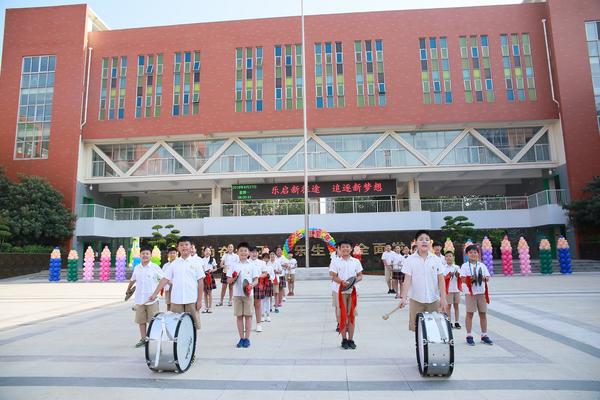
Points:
(388, 257)
(272, 266)
(207, 265)
(345, 269)
(424, 272)
(146, 278)
(472, 270)
(246, 270)
(453, 285)
(397, 262)
(229, 260)
(293, 264)
(184, 275)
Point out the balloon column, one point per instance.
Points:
(448, 246)
(507, 259)
(545, 257)
(72, 259)
(120, 264)
(88, 264)
(564, 256)
(468, 243)
(524, 258)
(155, 258)
(486, 254)
(134, 256)
(105, 264)
(313, 233)
(54, 268)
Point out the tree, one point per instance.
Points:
(458, 228)
(168, 240)
(4, 230)
(34, 211)
(585, 213)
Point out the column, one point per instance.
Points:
(216, 207)
(414, 196)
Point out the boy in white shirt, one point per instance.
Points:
(397, 275)
(452, 279)
(341, 270)
(437, 250)
(291, 276)
(171, 256)
(261, 288)
(334, 290)
(423, 281)
(247, 271)
(476, 275)
(228, 259)
(388, 257)
(186, 277)
(146, 276)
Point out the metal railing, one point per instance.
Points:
(331, 206)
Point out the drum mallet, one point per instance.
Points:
(386, 316)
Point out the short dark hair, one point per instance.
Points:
(341, 242)
(264, 255)
(252, 248)
(388, 244)
(146, 248)
(421, 232)
(184, 239)
(436, 243)
(472, 247)
(170, 249)
(243, 244)
(448, 251)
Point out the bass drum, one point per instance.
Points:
(171, 342)
(435, 344)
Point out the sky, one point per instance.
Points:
(118, 14)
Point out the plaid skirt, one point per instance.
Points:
(223, 277)
(263, 289)
(398, 275)
(282, 283)
(213, 284)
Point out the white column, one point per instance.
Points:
(216, 206)
(414, 196)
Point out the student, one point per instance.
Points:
(260, 288)
(476, 276)
(284, 271)
(342, 269)
(291, 276)
(388, 257)
(266, 304)
(452, 278)
(146, 276)
(334, 289)
(405, 251)
(276, 266)
(423, 281)
(228, 259)
(186, 277)
(210, 266)
(397, 274)
(171, 256)
(437, 250)
(243, 270)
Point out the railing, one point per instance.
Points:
(149, 213)
(330, 206)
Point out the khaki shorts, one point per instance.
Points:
(291, 278)
(334, 300)
(167, 297)
(388, 274)
(414, 307)
(144, 313)
(189, 308)
(476, 303)
(453, 298)
(243, 306)
(347, 299)
(276, 288)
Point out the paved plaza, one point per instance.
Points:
(76, 341)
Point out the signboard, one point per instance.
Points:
(374, 187)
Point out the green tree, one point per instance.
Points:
(458, 229)
(164, 241)
(34, 211)
(4, 230)
(585, 213)
(173, 235)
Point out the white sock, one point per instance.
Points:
(469, 334)
(483, 334)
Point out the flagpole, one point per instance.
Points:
(304, 107)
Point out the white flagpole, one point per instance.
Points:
(304, 107)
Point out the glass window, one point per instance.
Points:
(161, 162)
(125, 155)
(593, 45)
(470, 151)
(196, 153)
(390, 154)
(272, 149)
(235, 159)
(318, 158)
(430, 144)
(539, 152)
(509, 140)
(351, 146)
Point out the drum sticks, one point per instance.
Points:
(386, 316)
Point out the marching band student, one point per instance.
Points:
(291, 276)
(342, 269)
(476, 276)
(261, 288)
(274, 264)
(388, 257)
(452, 279)
(186, 277)
(437, 250)
(268, 289)
(243, 270)
(405, 251)
(171, 256)
(228, 259)
(146, 275)
(423, 281)
(210, 266)
(334, 289)
(284, 268)
(397, 274)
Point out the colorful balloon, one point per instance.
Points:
(54, 267)
(524, 257)
(507, 259)
(487, 254)
(72, 259)
(545, 257)
(105, 264)
(288, 245)
(88, 264)
(120, 264)
(564, 256)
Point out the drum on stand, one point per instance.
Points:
(171, 342)
(435, 344)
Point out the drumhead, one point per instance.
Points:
(149, 334)
(185, 346)
(421, 346)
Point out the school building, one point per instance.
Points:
(489, 112)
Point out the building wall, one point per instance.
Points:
(43, 31)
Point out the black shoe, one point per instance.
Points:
(457, 325)
(393, 291)
(351, 344)
(389, 291)
(345, 345)
(337, 328)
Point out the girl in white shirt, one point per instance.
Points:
(228, 259)
(210, 265)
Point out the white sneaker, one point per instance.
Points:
(267, 318)
(284, 298)
(259, 328)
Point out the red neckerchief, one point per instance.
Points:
(208, 279)
(343, 308)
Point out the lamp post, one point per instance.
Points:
(304, 107)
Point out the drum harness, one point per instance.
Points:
(163, 331)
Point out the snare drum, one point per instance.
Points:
(171, 342)
(435, 344)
